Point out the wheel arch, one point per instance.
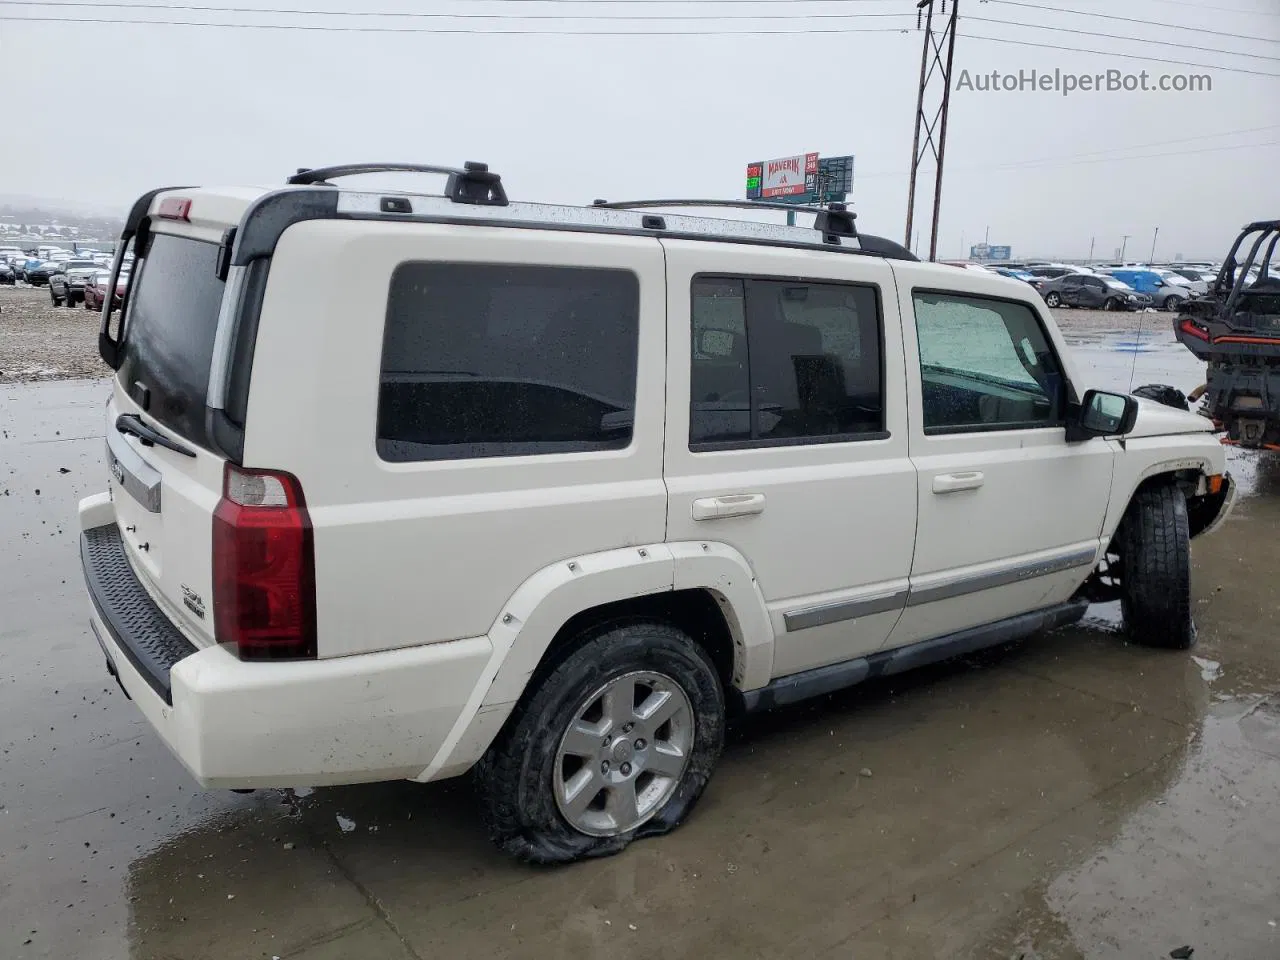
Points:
(706, 589)
(1189, 472)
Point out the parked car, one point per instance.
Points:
(594, 479)
(38, 276)
(1197, 287)
(7, 276)
(1037, 283)
(66, 284)
(95, 290)
(1098, 293)
(1163, 293)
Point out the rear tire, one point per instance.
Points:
(524, 778)
(1155, 569)
(1172, 303)
(1052, 299)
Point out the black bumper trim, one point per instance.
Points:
(139, 627)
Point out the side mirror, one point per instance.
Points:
(1102, 414)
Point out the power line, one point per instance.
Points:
(191, 8)
(1112, 36)
(1130, 56)
(1108, 16)
(458, 30)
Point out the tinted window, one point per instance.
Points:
(777, 361)
(169, 330)
(486, 360)
(985, 364)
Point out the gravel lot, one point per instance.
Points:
(39, 341)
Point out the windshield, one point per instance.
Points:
(1115, 284)
(169, 327)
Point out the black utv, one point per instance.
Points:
(1235, 328)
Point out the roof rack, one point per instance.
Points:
(833, 220)
(473, 184)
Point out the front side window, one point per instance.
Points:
(488, 360)
(779, 362)
(985, 365)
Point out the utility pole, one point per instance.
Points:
(932, 59)
(1091, 242)
(1152, 258)
(1124, 242)
(986, 237)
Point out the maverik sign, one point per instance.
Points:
(784, 177)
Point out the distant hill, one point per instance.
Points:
(22, 223)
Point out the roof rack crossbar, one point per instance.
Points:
(474, 183)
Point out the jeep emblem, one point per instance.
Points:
(117, 471)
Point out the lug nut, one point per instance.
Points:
(640, 744)
(604, 767)
(626, 769)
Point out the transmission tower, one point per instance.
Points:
(935, 72)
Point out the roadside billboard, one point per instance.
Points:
(803, 178)
(984, 251)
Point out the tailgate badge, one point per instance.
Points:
(192, 601)
(117, 470)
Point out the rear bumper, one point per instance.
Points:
(376, 716)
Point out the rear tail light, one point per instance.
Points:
(264, 584)
(1194, 330)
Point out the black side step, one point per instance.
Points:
(837, 676)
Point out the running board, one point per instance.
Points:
(837, 676)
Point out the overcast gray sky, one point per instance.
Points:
(99, 112)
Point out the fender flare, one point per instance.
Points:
(545, 602)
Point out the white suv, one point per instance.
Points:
(404, 486)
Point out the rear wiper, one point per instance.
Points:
(132, 423)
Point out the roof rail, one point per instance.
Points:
(473, 184)
(833, 220)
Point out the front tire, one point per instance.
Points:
(1155, 569)
(1052, 299)
(615, 744)
(1172, 303)
(53, 298)
(1111, 304)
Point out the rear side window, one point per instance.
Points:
(492, 360)
(168, 332)
(783, 362)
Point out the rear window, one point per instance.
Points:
(490, 360)
(169, 328)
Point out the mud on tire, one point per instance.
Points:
(1155, 557)
(515, 777)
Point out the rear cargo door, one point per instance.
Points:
(165, 480)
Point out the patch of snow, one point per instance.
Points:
(345, 825)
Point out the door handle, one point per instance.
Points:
(730, 505)
(956, 482)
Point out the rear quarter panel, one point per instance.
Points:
(412, 553)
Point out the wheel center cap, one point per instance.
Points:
(622, 750)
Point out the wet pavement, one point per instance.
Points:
(1072, 796)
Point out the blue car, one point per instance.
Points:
(1164, 294)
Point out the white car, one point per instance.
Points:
(552, 492)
